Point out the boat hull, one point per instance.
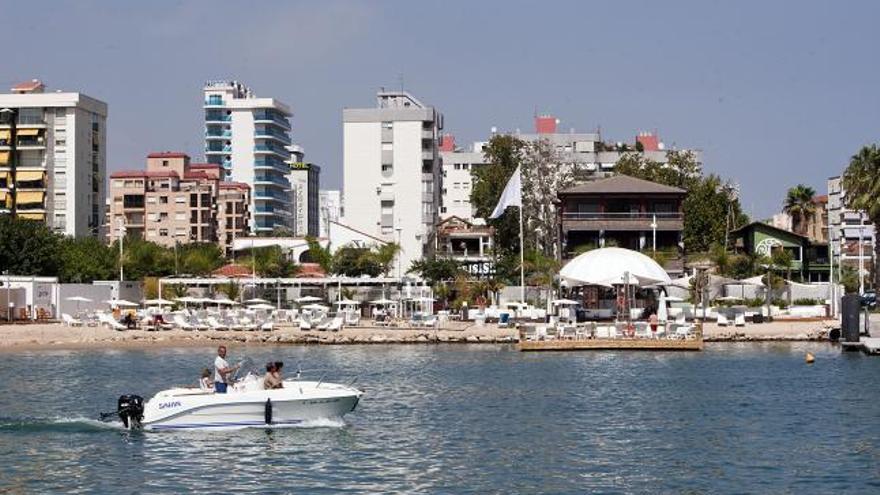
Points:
(298, 404)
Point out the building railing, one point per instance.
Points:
(581, 215)
(218, 118)
(272, 179)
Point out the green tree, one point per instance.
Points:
(270, 261)
(199, 258)
(385, 254)
(353, 261)
(800, 207)
(85, 260)
(435, 270)
(230, 289)
(861, 181)
(319, 254)
(503, 154)
(144, 259)
(28, 247)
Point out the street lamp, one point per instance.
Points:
(12, 115)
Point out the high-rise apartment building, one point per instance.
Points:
(852, 235)
(457, 167)
(391, 173)
(175, 201)
(305, 182)
(54, 169)
(331, 210)
(247, 136)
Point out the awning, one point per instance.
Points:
(30, 216)
(4, 156)
(3, 175)
(28, 132)
(29, 197)
(4, 134)
(29, 175)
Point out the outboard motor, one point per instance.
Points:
(130, 409)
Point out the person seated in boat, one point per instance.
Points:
(222, 371)
(205, 382)
(272, 379)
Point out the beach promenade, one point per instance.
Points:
(58, 336)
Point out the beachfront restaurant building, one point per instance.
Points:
(810, 261)
(625, 212)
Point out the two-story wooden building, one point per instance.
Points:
(625, 212)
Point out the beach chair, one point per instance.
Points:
(552, 333)
(305, 323)
(70, 321)
(415, 320)
(352, 319)
(739, 320)
(335, 324)
(722, 320)
(215, 324)
(683, 332)
(110, 322)
(267, 326)
(430, 321)
(530, 332)
(181, 323)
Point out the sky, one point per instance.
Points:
(774, 93)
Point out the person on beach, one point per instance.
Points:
(222, 371)
(652, 321)
(205, 382)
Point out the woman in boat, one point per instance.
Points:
(273, 377)
(205, 382)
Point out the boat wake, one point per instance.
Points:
(60, 425)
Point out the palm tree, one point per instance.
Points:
(799, 205)
(860, 181)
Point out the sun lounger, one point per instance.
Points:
(70, 321)
(335, 324)
(722, 320)
(267, 326)
(740, 320)
(181, 323)
(110, 322)
(215, 324)
(305, 324)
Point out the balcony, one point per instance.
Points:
(632, 221)
(271, 134)
(271, 118)
(218, 135)
(263, 179)
(212, 101)
(215, 149)
(217, 118)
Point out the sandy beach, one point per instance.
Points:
(58, 336)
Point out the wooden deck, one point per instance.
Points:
(612, 344)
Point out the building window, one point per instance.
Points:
(163, 232)
(387, 125)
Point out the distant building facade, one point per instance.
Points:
(469, 244)
(331, 209)
(175, 201)
(247, 136)
(458, 164)
(624, 212)
(809, 259)
(852, 235)
(391, 173)
(305, 183)
(55, 171)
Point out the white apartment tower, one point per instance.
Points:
(331, 210)
(305, 181)
(391, 173)
(54, 170)
(457, 167)
(247, 136)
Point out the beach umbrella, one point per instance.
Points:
(347, 302)
(261, 306)
(318, 307)
(613, 266)
(122, 303)
(564, 302)
(307, 299)
(224, 300)
(383, 302)
(78, 300)
(158, 302)
(256, 300)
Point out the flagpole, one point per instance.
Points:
(522, 263)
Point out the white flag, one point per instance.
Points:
(512, 195)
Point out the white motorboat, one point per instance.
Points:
(246, 404)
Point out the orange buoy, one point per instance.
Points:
(809, 358)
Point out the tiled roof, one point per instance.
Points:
(234, 185)
(622, 184)
(233, 271)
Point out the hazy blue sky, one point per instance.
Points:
(774, 93)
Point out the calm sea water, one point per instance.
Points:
(746, 418)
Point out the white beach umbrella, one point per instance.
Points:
(256, 300)
(78, 299)
(224, 300)
(347, 302)
(307, 299)
(261, 306)
(383, 302)
(564, 302)
(122, 303)
(158, 302)
(318, 307)
(613, 266)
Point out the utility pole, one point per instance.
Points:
(121, 223)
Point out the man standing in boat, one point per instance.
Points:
(222, 371)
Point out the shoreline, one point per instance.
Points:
(55, 336)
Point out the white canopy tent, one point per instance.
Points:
(613, 266)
